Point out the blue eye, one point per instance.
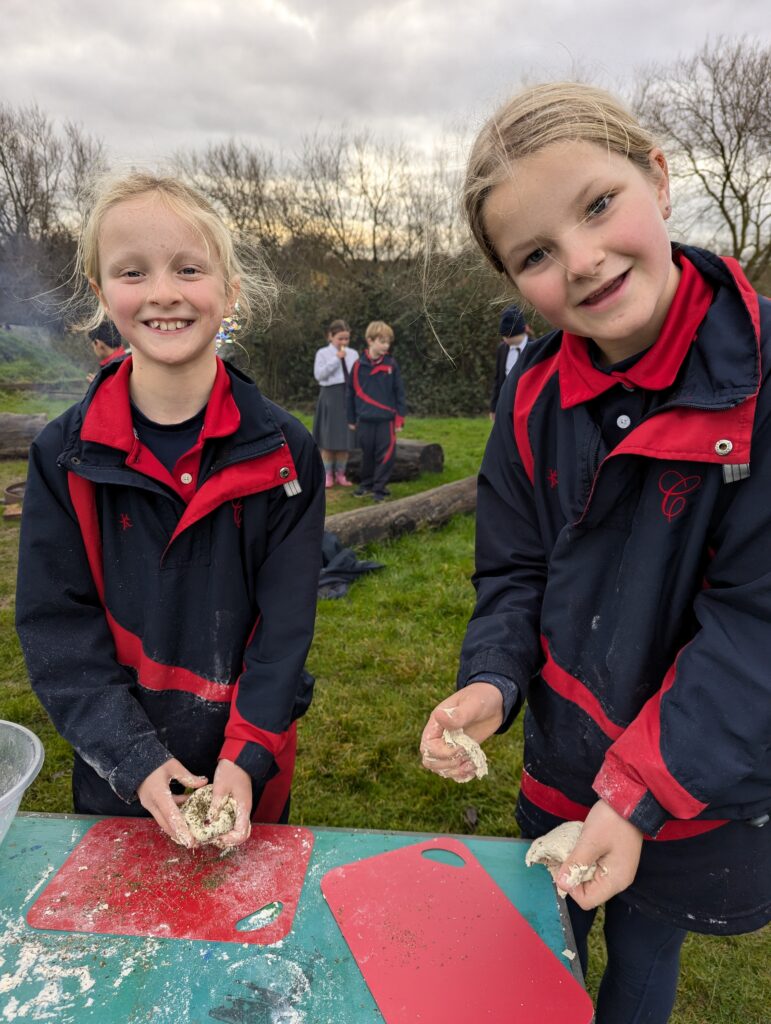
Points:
(599, 205)
(536, 256)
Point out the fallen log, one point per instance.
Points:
(17, 431)
(405, 515)
(411, 458)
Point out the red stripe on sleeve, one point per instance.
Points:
(635, 765)
(238, 732)
(554, 802)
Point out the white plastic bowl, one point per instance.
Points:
(21, 758)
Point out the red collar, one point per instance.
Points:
(581, 381)
(108, 418)
(118, 352)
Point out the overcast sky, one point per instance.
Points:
(153, 76)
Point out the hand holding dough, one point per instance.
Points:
(553, 850)
(458, 738)
(196, 814)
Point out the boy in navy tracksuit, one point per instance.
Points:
(376, 405)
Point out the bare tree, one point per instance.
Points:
(84, 158)
(31, 162)
(713, 111)
(358, 194)
(246, 185)
(42, 171)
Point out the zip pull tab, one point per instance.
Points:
(734, 471)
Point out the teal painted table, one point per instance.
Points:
(309, 977)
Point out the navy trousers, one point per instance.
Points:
(377, 441)
(640, 981)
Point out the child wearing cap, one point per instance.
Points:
(513, 330)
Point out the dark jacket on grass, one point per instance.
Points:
(156, 623)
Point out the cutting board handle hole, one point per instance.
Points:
(444, 857)
(260, 918)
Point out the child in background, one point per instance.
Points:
(623, 562)
(332, 369)
(513, 331)
(376, 406)
(171, 537)
(107, 345)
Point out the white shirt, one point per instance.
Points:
(513, 355)
(328, 366)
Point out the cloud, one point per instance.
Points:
(158, 75)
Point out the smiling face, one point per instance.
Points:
(581, 232)
(160, 284)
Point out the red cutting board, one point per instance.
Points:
(438, 942)
(126, 877)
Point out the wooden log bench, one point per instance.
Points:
(405, 515)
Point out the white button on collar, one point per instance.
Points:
(623, 421)
(186, 478)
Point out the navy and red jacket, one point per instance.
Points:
(626, 590)
(168, 618)
(375, 391)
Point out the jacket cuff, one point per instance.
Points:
(494, 661)
(628, 796)
(255, 759)
(142, 759)
(508, 690)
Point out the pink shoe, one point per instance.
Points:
(329, 480)
(340, 478)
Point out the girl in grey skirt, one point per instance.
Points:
(331, 368)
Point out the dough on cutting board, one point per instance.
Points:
(195, 811)
(458, 738)
(555, 847)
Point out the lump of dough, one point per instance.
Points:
(196, 814)
(458, 738)
(555, 847)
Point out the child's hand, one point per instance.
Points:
(611, 842)
(478, 710)
(230, 780)
(156, 797)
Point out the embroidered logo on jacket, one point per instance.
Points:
(674, 486)
(238, 512)
(552, 477)
(125, 521)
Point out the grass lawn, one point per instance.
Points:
(382, 657)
